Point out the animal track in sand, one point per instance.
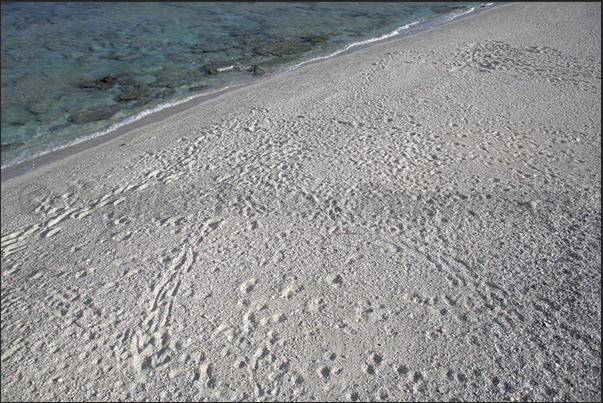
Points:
(266, 327)
(552, 65)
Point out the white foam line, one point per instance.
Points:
(395, 32)
(384, 36)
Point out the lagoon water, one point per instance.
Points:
(74, 71)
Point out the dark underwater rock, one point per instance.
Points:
(135, 93)
(198, 88)
(58, 128)
(165, 93)
(102, 84)
(258, 71)
(39, 108)
(11, 146)
(95, 113)
(315, 39)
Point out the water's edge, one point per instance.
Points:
(43, 161)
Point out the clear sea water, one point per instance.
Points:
(74, 71)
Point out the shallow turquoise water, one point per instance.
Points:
(72, 71)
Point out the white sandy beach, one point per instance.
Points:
(417, 220)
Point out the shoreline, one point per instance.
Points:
(25, 167)
(419, 220)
